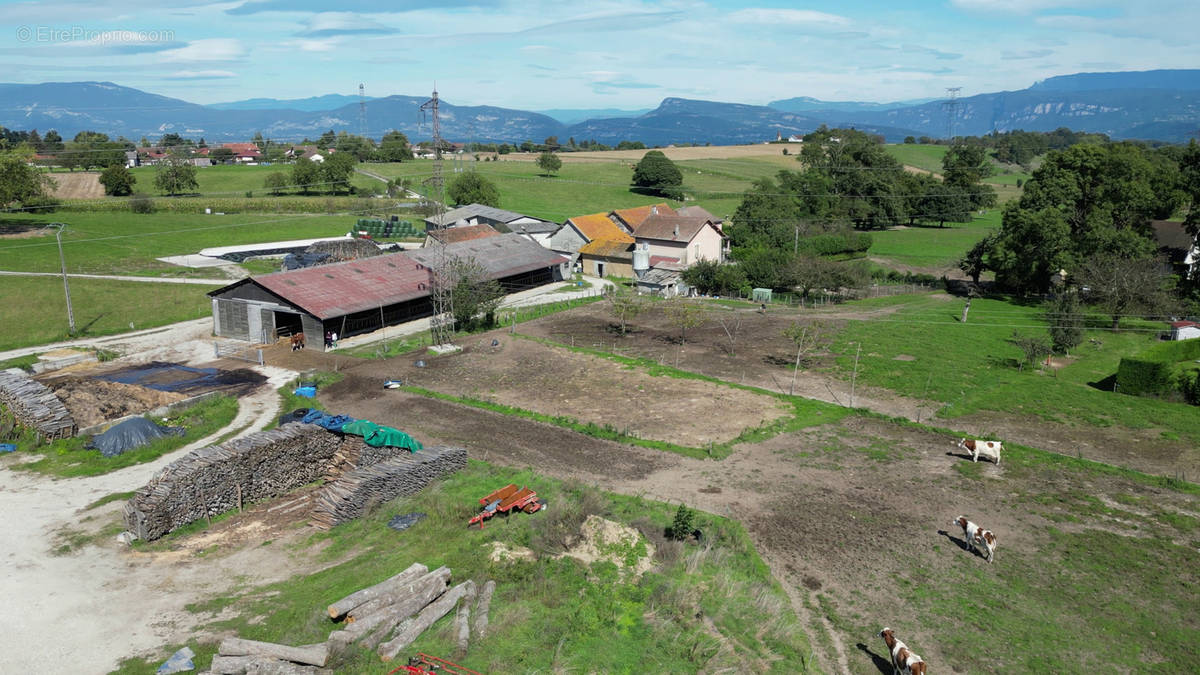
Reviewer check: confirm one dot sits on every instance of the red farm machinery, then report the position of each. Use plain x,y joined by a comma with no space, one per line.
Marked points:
506,500
424,664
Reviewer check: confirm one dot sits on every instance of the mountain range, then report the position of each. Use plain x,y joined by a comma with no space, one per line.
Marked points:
1161,105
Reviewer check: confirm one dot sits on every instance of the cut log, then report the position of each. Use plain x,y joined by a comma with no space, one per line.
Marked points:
313,655
374,628
230,665
462,620
482,609
273,667
350,602
410,630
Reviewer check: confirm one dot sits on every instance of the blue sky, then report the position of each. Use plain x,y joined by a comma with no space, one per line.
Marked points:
537,54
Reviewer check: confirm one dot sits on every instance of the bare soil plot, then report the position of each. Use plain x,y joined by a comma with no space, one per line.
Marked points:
78,186
556,381
95,401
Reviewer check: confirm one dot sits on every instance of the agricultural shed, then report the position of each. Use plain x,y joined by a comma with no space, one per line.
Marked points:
453,235
662,281
361,296
1185,330
478,214
607,258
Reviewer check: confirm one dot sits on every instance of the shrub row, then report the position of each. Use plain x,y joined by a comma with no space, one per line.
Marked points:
835,243
1152,372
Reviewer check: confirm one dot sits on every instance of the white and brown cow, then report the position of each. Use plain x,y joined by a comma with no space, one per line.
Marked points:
904,660
978,539
977,448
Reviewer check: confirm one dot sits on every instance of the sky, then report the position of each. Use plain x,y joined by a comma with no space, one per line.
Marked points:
624,54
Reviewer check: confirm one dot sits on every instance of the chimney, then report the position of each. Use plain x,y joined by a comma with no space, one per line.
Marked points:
654,210
676,230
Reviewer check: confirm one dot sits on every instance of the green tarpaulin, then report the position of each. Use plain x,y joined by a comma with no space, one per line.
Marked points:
376,435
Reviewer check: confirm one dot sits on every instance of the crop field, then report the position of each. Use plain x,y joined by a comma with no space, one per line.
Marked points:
820,502
231,180
34,309
128,243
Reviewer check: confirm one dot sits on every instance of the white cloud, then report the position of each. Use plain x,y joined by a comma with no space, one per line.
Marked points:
328,24
791,17
210,49
1021,6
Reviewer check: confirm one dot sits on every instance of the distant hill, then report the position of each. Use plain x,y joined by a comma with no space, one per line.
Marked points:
310,104
575,115
1158,104
810,104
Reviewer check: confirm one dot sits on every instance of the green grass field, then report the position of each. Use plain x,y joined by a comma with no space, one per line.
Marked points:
128,243
234,181
34,309
927,157
970,367
714,605
933,248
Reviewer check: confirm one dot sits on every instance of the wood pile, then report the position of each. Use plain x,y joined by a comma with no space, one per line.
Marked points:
355,492
215,479
353,453
386,617
34,406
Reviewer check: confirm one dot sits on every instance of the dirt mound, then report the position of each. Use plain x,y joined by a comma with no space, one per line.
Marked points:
94,401
78,186
345,249
603,539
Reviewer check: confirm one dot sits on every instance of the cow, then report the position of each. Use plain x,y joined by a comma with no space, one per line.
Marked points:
904,660
978,539
977,448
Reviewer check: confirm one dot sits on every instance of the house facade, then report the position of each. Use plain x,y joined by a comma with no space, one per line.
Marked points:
581,230
686,240
606,258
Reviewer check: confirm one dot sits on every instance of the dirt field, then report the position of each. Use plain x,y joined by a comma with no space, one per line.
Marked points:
95,401
78,186
840,513
556,381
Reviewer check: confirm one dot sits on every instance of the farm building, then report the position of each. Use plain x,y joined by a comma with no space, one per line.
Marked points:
581,230
686,240
631,219
607,258
1185,330
478,214
361,296
1177,245
453,235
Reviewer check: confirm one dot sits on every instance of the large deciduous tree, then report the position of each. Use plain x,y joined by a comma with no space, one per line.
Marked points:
20,183
336,171
472,188
305,174
657,175
549,162
394,147
117,181
1122,286
176,176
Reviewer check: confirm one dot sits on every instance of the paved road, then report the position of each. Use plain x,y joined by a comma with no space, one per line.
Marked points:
115,277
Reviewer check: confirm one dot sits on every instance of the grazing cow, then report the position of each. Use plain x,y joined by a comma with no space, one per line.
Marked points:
904,660
977,448
978,539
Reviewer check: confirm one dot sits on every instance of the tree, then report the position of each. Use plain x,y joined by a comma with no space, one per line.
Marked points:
117,180
1064,313
275,182
809,338
684,314
863,176
176,176
712,277
472,188
964,168
549,162
394,147
1034,347
20,183
52,142
551,143
624,307
1122,286
975,261
221,155
684,524
305,174
336,170
472,293
327,140
657,175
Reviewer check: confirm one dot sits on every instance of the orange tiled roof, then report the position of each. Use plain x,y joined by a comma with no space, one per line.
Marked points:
608,248
635,216
597,226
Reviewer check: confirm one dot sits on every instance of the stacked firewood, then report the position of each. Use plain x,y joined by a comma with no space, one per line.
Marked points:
386,617
34,406
215,479
353,493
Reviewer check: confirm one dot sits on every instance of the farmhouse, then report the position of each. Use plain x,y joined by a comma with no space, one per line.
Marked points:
244,153
682,239
501,220
361,296
630,219
580,230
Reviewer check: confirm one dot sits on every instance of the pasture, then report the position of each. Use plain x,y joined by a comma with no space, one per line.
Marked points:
934,250
853,516
34,309
231,180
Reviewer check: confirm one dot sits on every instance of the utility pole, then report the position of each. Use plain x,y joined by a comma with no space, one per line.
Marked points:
443,276
362,111
951,106
66,287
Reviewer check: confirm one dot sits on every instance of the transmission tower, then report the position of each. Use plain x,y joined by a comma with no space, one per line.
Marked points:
443,276
362,111
951,106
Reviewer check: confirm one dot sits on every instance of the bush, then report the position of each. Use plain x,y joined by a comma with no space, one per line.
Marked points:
140,203
1189,386
684,524
1152,373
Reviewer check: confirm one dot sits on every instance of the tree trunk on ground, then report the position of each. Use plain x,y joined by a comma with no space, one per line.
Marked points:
482,609
385,619
350,602
410,630
462,620
315,655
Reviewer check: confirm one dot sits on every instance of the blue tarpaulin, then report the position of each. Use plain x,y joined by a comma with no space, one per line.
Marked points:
326,420
130,434
306,392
